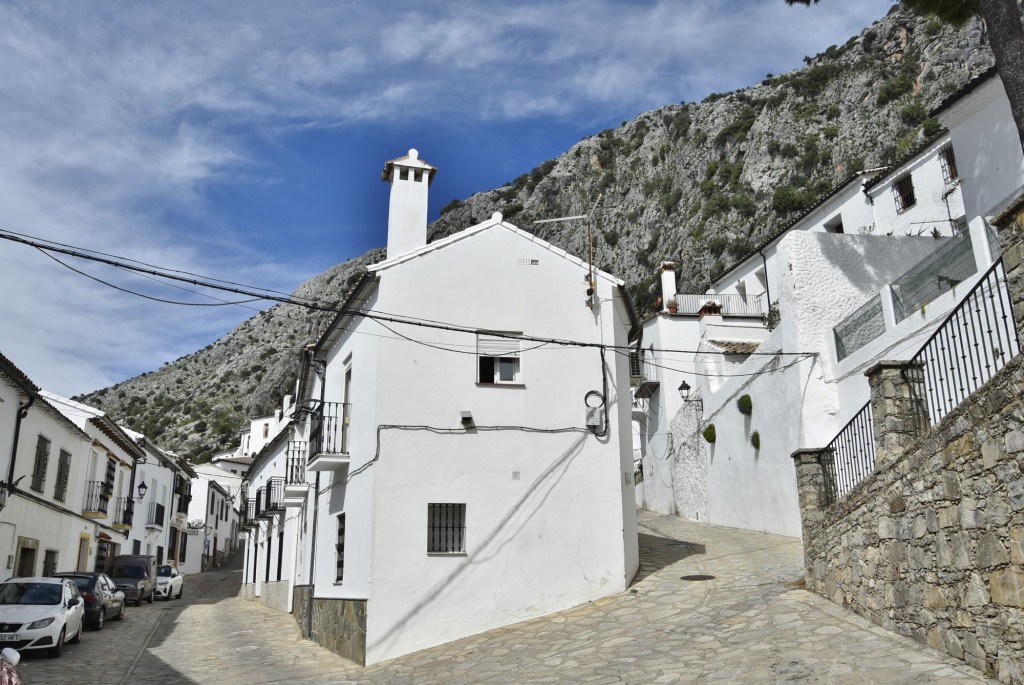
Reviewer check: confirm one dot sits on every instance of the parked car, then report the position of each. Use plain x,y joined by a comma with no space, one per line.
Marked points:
102,598
135,576
40,613
169,582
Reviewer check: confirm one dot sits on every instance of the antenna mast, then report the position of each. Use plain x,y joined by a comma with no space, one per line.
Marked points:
589,216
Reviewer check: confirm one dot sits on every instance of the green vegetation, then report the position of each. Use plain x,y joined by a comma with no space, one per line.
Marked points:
914,112
902,83
788,199
738,128
755,440
709,433
930,127
745,405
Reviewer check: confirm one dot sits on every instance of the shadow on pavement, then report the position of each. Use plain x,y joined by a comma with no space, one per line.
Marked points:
658,552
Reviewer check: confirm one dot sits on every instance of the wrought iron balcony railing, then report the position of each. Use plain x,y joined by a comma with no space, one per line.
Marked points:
329,429
157,515
97,495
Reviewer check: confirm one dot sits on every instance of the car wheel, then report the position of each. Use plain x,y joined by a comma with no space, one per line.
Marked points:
78,636
120,615
57,649
180,590
100,618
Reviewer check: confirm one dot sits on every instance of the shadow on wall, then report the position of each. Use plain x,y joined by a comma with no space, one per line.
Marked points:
661,552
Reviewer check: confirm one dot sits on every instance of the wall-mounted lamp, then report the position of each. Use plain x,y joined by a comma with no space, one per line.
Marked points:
684,392
143,489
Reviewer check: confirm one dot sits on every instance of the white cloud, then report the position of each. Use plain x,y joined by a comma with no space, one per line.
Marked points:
117,118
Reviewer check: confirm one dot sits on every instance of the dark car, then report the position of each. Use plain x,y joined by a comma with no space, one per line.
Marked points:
102,598
135,575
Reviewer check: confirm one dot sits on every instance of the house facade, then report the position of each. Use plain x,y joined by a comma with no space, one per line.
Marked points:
868,273
460,476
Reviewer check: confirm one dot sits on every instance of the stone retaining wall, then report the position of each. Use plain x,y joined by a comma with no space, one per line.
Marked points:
931,545
338,624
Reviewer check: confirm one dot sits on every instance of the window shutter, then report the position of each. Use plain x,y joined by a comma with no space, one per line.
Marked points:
497,346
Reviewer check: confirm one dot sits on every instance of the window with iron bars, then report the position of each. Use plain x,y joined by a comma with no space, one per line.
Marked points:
903,190
39,468
339,549
60,491
948,161
446,528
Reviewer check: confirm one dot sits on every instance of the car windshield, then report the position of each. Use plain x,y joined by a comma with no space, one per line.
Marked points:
128,572
30,593
163,570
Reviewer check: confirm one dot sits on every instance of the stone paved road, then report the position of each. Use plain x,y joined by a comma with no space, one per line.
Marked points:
747,621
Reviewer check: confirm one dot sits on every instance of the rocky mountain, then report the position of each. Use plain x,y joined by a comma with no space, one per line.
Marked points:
700,184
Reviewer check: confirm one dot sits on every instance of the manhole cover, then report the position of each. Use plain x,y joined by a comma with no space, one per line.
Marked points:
697,577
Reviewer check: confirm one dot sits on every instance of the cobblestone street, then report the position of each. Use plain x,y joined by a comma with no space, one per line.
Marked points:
710,605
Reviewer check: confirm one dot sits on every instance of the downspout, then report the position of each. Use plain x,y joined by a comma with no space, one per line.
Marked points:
322,372
18,417
767,292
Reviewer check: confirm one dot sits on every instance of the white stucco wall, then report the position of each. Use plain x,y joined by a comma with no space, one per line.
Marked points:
550,518
987,146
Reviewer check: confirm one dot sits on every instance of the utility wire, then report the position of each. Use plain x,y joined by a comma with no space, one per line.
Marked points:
267,295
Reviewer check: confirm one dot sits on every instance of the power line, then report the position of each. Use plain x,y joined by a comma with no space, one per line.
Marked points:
250,291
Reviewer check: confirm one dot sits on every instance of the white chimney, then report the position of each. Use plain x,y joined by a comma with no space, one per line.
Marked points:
668,284
410,177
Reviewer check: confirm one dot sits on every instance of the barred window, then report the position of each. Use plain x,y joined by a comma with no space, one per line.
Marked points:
446,528
39,468
339,549
903,189
50,562
60,491
948,161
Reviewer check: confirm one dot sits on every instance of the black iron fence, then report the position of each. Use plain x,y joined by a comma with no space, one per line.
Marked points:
976,340
96,496
295,463
850,457
122,511
157,515
273,495
249,514
329,429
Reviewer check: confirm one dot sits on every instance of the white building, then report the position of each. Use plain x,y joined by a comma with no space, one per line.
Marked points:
856,279
462,477
213,526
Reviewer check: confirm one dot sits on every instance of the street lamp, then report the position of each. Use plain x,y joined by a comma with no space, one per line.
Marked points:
143,488
684,393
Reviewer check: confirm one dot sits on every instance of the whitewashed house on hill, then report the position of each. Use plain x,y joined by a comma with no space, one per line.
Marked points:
864,275
466,476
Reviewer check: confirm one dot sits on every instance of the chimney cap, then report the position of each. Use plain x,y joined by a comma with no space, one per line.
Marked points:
668,266
409,161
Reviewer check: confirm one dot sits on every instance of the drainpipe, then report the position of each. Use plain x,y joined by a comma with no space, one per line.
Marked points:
767,292
321,370
18,417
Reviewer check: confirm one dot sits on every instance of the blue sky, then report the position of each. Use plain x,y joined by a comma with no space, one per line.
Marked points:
245,140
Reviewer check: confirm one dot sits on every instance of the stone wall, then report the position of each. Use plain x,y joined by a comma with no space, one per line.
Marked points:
275,595
932,544
338,624
689,463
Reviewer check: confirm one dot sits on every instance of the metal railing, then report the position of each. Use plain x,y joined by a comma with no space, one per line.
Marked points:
96,496
732,305
850,457
258,501
936,274
123,511
976,340
273,495
157,515
859,328
329,429
295,463
249,514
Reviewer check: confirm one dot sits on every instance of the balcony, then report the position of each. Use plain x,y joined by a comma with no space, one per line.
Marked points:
97,498
295,485
249,521
731,305
157,517
328,437
122,513
643,375
272,500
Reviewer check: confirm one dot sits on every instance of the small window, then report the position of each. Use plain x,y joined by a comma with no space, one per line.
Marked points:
948,161
339,550
39,468
498,358
835,225
446,528
903,189
266,430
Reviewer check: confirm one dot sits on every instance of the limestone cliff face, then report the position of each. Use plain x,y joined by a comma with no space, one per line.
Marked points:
685,181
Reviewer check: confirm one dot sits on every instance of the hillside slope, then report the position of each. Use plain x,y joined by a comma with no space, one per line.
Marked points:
681,182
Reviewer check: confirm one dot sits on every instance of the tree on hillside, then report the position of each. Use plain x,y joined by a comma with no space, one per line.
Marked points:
1005,34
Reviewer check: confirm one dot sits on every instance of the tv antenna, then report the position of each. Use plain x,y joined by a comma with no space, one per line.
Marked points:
589,216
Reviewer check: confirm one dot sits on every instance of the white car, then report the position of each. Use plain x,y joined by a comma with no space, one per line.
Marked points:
168,583
40,613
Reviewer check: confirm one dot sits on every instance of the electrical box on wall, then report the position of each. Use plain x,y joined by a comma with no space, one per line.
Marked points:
593,417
